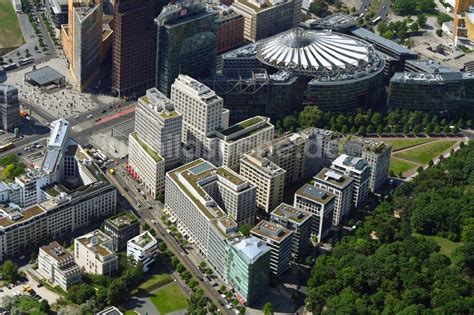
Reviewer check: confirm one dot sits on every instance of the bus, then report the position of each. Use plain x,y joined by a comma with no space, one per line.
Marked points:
376,20
10,66
6,146
25,61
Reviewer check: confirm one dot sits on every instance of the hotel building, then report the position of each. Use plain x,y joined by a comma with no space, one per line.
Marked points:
94,254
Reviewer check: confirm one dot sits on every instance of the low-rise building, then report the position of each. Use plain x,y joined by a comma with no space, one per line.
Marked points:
267,177
297,221
341,187
249,268
121,228
142,249
321,206
280,242
57,266
94,254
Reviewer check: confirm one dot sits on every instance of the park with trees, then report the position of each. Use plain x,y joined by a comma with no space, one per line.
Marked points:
397,261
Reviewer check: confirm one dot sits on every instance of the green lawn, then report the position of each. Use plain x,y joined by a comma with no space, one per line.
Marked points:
398,166
426,153
447,246
170,299
10,32
156,281
403,143
130,312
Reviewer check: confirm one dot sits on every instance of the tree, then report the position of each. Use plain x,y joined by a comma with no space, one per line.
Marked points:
414,27
44,306
404,7
80,293
290,123
197,303
362,130
319,7
267,309
370,129
425,5
442,18
406,129
388,35
379,129
446,129
429,128
245,229
421,20
439,32
456,129
469,123
376,119
9,271
117,291
437,130
311,116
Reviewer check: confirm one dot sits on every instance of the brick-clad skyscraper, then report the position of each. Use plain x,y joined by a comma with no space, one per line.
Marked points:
134,46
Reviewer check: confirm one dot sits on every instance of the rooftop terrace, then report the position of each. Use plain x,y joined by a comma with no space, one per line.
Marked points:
314,193
154,155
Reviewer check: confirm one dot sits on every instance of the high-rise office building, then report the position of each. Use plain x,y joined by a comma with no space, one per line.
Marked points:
9,107
84,40
230,30
186,43
202,111
159,124
134,46
264,18
341,187
377,154
280,242
320,204
297,221
121,228
249,262
267,177
359,170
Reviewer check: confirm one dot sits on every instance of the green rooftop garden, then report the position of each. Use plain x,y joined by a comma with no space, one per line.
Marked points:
170,114
222,171
147,149
242,125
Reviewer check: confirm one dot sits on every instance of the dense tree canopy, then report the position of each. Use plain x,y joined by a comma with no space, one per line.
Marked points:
387,268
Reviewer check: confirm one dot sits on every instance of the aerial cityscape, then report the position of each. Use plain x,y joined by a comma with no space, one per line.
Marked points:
236,157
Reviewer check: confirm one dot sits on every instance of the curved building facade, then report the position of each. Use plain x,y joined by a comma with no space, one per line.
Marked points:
343,72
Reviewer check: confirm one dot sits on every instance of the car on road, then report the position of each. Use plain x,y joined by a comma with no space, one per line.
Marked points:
104,111
89,116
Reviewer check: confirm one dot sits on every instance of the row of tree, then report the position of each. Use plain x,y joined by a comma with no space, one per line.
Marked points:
370,122
388,268
413,7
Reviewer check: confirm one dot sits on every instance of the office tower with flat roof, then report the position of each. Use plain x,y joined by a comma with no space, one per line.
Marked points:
320,204
245,136
82,40
121,228
186,43
142,249
230,29
359,170
159,124
376,153
57,266
9,107
249,268
298,222
134,46
341,187
279,240
94,254
202,111
264,18
267,177
206,202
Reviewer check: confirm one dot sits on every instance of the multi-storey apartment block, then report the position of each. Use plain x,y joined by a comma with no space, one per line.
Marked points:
377,154
359,170
121,228
249,268
248,135
279,240
341,187
142,249
298,222
267,177
206,202
320,204
57,266
94,254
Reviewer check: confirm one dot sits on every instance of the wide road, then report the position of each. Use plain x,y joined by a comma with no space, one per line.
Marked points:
145,215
